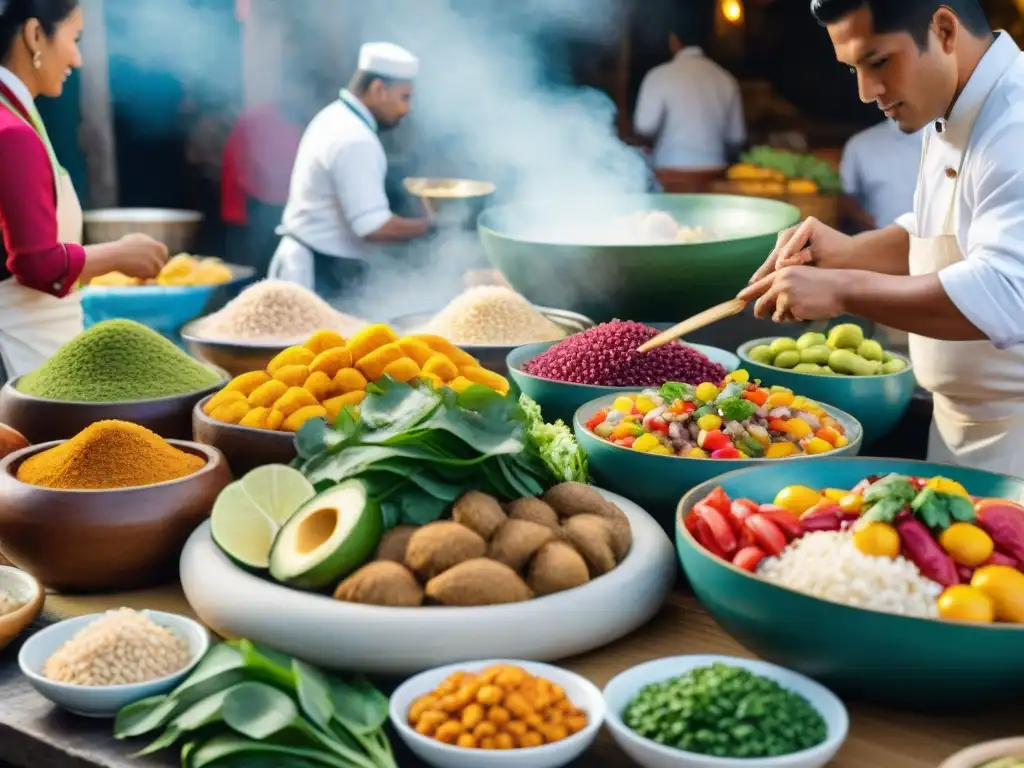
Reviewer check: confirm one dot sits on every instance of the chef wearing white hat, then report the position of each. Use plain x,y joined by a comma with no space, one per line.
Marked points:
337,211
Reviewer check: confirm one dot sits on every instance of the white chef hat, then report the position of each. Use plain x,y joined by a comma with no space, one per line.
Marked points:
388,60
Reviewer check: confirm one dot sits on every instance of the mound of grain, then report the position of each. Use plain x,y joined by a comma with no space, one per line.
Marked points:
493,314
276,310
827,565
122,647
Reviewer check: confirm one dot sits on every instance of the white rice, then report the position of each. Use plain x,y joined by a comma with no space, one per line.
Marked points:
827,565
493,314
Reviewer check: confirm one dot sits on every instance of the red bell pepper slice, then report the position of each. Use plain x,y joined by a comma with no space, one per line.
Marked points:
719,525
657,425
596,420
715,440
718,499
749,558
741,509
706,538
766,533
786,520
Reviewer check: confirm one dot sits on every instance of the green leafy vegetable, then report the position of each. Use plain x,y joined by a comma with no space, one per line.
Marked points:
895,486
736,409
556,444
677,390
794,166
730,391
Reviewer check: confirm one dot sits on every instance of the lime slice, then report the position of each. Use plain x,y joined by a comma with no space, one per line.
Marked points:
248,513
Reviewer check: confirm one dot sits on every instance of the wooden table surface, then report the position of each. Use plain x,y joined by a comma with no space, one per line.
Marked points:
33,734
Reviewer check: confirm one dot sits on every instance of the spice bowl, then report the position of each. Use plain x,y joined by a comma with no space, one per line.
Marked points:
244,448
580,691
96,540
42,421
650,754
21,588
105,701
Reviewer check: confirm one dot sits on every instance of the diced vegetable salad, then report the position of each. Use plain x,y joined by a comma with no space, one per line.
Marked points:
971,548
737,419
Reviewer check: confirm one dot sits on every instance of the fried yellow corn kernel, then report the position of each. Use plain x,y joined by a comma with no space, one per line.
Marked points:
472,716
553,733
466,741
504,741
331,361
370,338
247,383
290,356
416,349
294,399
432,379
323,340
499,715
460,383
255,418
351,399
484,730
404,369
319,385
441,366
267,394
231,413
576,723
292,375
224,397
294,422
275,419
372,365
349,380
446,348
516,728
421,705
530,739
489,379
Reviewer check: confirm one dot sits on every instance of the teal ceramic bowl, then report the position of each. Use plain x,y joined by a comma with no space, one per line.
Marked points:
559,400
661,481
553,253
878,402
880,657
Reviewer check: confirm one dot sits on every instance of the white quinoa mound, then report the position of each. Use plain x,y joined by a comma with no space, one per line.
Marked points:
276,310
123,647
493,314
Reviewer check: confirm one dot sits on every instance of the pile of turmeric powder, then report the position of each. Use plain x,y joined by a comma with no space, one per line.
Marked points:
107,455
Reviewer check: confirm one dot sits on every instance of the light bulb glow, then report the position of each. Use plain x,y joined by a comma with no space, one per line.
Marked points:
732,11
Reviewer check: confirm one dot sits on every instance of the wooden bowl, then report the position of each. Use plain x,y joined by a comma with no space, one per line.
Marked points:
22,587
107,540
44,421
11,440
235,357
244,448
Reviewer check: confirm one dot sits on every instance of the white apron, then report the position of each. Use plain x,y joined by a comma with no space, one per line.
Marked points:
33,324
973,425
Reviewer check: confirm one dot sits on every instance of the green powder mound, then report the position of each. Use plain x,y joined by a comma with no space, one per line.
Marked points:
114,361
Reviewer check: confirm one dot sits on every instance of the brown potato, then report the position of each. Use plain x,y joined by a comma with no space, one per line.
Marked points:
394,543
479,512
517,541
480,581
557,567
572,499
535,511
381,583
591,537
436,547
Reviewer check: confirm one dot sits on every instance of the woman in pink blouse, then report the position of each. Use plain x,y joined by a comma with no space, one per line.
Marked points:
41,259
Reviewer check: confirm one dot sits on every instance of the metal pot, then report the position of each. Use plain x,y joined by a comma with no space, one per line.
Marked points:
451,203
177,229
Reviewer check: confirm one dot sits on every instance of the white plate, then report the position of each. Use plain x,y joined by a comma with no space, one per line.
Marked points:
622,688
579,691
403,641
104,701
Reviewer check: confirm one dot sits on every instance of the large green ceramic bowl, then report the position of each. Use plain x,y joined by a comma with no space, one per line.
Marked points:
662,480
560,400
919,663
547,252
878,402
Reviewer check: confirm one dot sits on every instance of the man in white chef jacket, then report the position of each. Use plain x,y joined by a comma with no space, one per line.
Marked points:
337,211
952,272
879,170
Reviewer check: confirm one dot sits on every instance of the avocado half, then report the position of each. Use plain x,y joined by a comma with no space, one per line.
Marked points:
327,538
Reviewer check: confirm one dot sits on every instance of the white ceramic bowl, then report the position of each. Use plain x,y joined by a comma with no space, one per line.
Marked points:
390,641
622,688
105,701
980,754
579,691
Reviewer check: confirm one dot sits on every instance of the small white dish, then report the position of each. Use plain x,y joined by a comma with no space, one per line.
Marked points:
580,691
104,701
648,754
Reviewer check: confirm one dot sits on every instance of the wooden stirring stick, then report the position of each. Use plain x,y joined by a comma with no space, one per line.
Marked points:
707,317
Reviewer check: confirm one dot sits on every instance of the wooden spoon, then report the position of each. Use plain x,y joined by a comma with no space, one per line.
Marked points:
707,317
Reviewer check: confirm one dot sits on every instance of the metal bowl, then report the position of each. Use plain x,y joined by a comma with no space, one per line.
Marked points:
451,203
177,229
656,282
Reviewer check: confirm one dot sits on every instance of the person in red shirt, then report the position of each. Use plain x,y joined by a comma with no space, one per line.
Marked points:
41,259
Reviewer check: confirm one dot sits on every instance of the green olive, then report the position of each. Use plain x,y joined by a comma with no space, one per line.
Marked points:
871,350
818,355
762,353
808,368
846,336
849,362
894,366
789,358
782,345
887,356
811,339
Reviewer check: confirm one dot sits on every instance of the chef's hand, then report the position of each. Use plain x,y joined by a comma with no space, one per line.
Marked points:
807,243
797,293
141,256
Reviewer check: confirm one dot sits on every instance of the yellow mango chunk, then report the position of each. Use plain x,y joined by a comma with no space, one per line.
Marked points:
231,413
294,422
489,379
248,382
256,418
224,397
293,399
290,356
446,348
349,380
267,394
331,361
370,338
439,365
275,419
404,369
319,385
372,365
292,375
323,340
419,351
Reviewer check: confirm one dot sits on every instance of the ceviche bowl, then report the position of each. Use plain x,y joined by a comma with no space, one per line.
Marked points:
921,663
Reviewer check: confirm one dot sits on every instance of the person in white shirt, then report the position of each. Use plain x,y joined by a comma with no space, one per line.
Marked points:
691,108
879,171
337,210
951,273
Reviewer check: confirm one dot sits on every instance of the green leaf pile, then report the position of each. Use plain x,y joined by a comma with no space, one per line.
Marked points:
418,449
795,166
